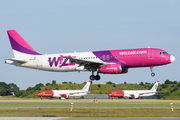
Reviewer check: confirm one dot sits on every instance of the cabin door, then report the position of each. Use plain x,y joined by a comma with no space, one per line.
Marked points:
39,62
150,54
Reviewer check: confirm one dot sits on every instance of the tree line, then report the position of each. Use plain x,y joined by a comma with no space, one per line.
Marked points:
8,89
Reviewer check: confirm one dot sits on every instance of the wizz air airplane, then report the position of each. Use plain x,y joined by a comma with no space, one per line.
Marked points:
135,93
106,62
65,94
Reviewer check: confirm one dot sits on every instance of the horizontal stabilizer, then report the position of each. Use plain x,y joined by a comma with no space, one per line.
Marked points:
16,60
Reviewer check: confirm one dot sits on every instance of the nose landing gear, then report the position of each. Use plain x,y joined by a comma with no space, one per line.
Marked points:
152,74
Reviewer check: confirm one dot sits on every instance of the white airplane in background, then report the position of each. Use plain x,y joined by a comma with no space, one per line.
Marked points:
135,93
106,62
65,94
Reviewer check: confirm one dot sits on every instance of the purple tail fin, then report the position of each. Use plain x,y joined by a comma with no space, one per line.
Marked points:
19,44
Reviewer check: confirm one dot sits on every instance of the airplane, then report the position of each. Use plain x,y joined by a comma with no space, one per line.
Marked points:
106,62
65,94
135,93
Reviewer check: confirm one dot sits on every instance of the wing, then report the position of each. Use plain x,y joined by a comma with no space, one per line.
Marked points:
62,94
78,92
88,64
152,92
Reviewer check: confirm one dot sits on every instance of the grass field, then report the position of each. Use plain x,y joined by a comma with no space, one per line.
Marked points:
85,108
90,112
90,100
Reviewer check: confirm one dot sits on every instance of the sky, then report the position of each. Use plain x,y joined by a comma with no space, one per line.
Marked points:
65,26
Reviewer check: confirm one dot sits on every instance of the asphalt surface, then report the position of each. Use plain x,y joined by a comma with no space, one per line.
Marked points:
89,118
88,103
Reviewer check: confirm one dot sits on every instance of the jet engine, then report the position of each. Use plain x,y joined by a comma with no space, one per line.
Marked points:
112,69
66,96
133,96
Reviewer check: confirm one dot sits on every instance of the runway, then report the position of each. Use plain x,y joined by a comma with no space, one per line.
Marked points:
89,118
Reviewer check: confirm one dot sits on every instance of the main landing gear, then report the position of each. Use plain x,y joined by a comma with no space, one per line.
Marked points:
93,77
152,74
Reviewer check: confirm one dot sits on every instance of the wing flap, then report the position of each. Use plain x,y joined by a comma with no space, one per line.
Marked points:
86,63
80,61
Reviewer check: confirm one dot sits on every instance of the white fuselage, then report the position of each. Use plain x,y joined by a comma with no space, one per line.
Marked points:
71,93
146,93
55,62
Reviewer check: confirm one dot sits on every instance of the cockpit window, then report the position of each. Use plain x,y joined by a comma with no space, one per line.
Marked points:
162,53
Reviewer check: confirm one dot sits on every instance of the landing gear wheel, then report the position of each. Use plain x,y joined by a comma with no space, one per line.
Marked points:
97,77
92,77
152,74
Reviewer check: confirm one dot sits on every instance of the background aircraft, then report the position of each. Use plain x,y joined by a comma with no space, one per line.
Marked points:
65,94
107,62
134,93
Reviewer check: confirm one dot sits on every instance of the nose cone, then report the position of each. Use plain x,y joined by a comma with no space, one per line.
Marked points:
39,94
109,94
172,58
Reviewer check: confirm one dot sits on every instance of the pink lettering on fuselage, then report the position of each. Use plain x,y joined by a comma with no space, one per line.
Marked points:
133,52
61,60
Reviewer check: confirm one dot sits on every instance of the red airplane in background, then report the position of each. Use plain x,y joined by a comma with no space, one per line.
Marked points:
65,94
134,93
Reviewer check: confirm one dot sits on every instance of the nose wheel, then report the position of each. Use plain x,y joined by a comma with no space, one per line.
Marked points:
152,74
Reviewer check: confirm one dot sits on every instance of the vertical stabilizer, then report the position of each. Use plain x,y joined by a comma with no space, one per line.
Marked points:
154,88
86,87
20,47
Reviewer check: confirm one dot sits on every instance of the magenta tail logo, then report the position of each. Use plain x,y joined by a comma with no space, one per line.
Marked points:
61,60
